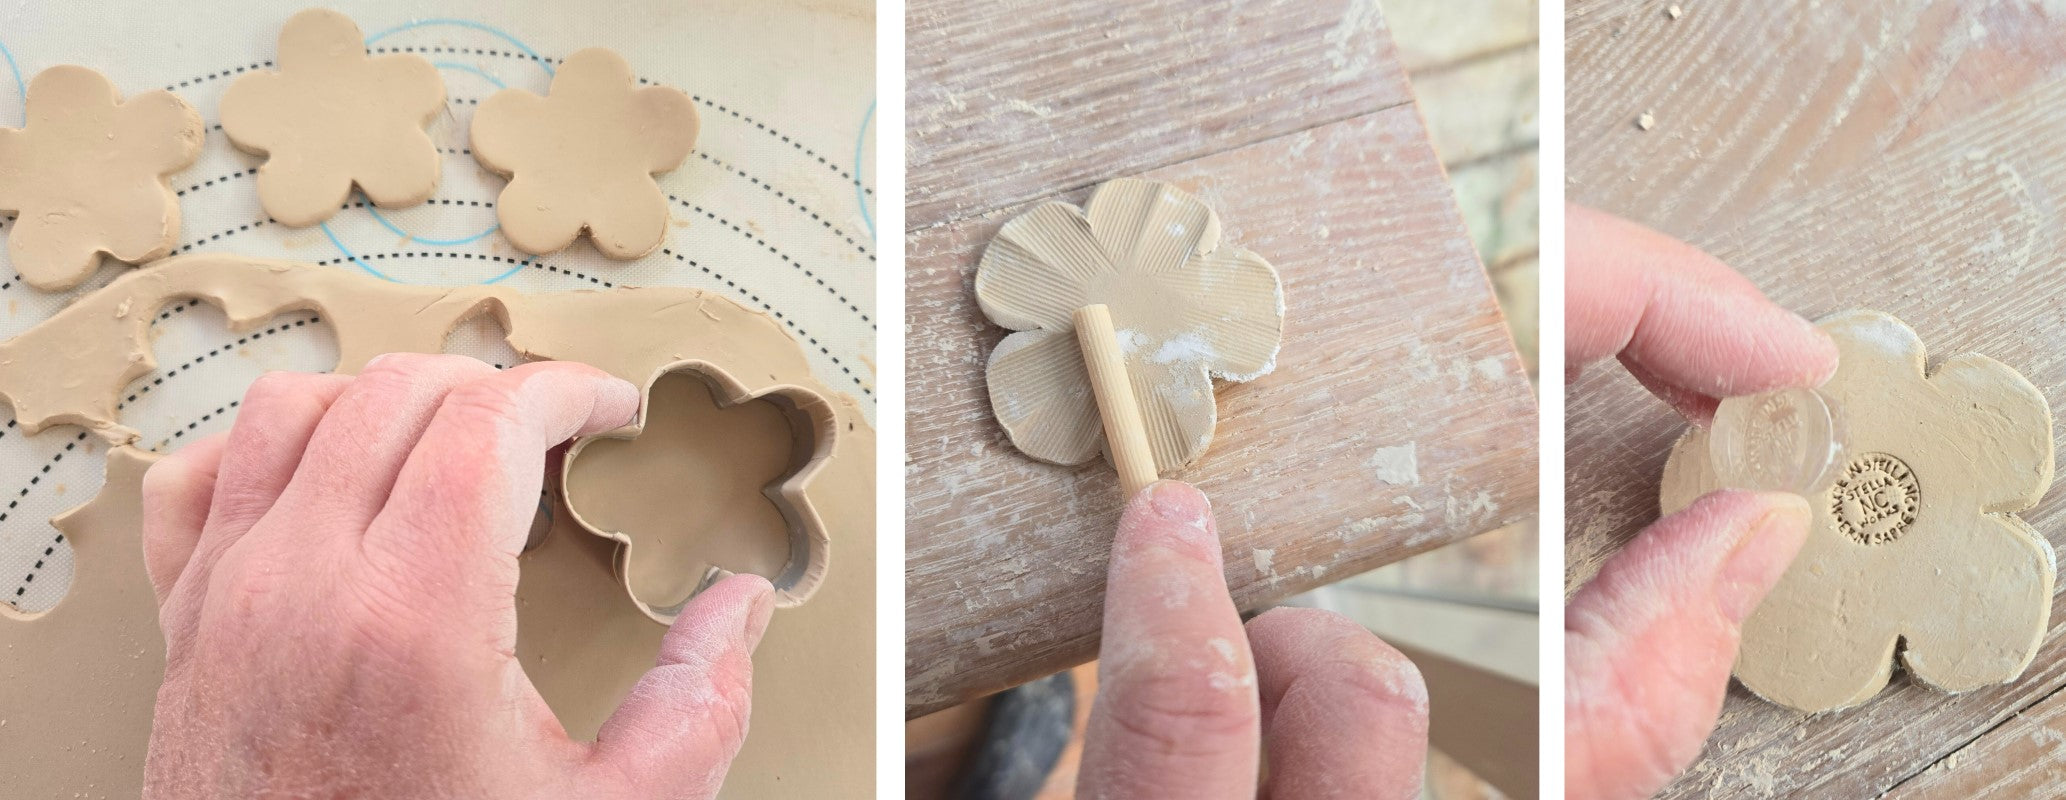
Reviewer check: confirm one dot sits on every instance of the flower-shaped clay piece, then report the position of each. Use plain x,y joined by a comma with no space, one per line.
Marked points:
86,176
1186,311
1915,540
584,155
331,117
714,483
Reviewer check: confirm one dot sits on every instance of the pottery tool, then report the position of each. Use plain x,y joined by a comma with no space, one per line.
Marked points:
1125,434
1786,440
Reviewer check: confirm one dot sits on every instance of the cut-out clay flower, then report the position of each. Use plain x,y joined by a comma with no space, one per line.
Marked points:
1916,541
1186,310
584,155
332,117
87,176
714,482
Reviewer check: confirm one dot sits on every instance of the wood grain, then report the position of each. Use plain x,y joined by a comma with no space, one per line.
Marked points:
1016,100
2018,759
1392,340
1900,156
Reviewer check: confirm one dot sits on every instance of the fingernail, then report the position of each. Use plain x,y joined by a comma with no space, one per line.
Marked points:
1762,555
760,609
1175,512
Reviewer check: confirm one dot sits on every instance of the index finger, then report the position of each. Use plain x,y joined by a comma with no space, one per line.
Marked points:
1687,325
470,485
1176,713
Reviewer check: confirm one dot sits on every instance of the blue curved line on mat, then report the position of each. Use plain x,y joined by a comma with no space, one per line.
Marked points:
860,140
339,244
20,89
473,69
467,23
397,230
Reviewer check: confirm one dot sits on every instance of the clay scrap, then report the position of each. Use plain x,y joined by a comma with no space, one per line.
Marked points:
333,117
578,639
102,645
1186,309
86,176
1917,540
583,156
101,342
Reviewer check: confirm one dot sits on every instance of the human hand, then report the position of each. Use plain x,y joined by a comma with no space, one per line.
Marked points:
336,580
1183,709
1649,643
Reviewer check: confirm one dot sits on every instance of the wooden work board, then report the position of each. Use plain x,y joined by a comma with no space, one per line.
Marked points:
1294,121
1899,155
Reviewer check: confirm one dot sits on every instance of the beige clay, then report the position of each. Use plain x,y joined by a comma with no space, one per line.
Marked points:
87,176
733,464
583,156
1917,539
332,117
581,640
1187,310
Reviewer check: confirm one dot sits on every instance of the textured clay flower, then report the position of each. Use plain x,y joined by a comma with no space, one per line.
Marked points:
331,117
584,155
86,176
1916,541
1186,309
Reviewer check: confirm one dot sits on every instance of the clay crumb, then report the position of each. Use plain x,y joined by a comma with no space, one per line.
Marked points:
1646,121
1675,12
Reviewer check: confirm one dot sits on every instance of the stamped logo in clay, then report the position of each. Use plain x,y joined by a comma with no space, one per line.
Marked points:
1875,498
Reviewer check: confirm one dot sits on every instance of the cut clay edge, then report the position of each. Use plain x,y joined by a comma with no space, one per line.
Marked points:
801,577
64,522
1895,651
83,405
509,173
1209,243
437,158
169,235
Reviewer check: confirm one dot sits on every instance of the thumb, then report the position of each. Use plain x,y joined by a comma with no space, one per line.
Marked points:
678,730
1649,643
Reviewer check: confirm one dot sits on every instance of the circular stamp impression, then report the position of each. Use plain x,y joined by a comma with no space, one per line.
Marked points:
1874,499
1785,440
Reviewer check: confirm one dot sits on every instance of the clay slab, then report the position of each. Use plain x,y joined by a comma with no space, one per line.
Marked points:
333,117
1917,539
87,176
581,639
583,156
1186,308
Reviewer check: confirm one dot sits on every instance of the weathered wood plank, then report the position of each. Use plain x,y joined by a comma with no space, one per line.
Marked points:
1925,202
2019,759
1393,340
1012,101
1754,99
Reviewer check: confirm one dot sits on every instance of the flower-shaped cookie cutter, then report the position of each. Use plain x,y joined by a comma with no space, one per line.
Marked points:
86,175
1184,309
1915,539
814,429
333,117
583,156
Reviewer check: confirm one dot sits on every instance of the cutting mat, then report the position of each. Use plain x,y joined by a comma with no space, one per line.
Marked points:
1399,417
774,210
1903,156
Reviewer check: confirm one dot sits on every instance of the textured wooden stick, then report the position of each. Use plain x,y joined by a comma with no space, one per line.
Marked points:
1124,431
